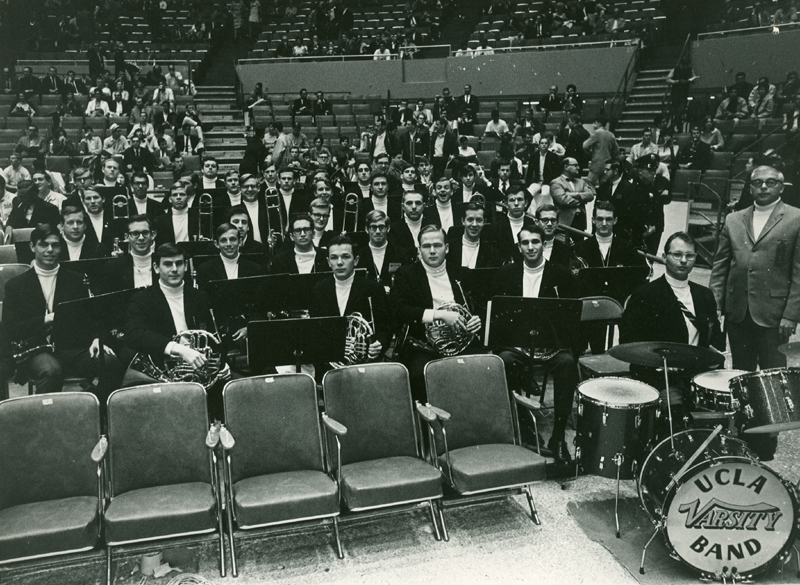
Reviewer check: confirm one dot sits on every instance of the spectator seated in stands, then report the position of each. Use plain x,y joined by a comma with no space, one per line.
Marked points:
118,106
32,144
697,155
155,77
786,95
551,102
382,53
297,138
322,107
755,93
90,145
143,125
119,86
60,145
141,93
115,143
344,149
174,80
733,107
28,84
300,48
51,84
615,23
496,127
188,143
573,103
711,135
283,49
743,87
164,95
71,108
97,106
302,106
21,107
15,172
483,47
764,106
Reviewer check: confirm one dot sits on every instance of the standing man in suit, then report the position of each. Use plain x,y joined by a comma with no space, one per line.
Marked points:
534,277
444,147
630,200
467,107
570,194
572,135
601,146
543,168
383,141
419,290
383,257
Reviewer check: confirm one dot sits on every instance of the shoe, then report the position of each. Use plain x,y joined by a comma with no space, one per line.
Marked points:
560,451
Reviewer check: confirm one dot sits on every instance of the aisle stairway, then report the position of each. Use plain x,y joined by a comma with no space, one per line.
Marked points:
223,125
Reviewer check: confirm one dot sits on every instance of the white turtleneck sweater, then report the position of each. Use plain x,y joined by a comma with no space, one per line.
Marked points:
445,215
141,205
469,252
231,267
47,280
305,261
343,292
378,255
761,215
381,204
235,198
74,248
414,227
441,290
604,244
97,224
142,270
532,280
548,248
180,224
516,225
174,296
252,211
684,294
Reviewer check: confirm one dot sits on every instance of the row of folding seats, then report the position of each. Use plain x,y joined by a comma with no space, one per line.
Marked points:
282,462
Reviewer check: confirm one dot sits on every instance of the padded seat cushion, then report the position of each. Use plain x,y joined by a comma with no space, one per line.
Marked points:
46,527
285,496
484,467
161,511
392,480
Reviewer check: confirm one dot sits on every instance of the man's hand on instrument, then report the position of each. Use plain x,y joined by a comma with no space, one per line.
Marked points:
94,348
240,334
452,318
374,350
787,328
651,229
474,325
191,356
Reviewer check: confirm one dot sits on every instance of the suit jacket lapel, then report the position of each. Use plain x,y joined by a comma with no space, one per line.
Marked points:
748,223
774,218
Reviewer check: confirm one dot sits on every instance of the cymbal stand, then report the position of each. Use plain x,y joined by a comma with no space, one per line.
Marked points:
669,404
659,528
618,458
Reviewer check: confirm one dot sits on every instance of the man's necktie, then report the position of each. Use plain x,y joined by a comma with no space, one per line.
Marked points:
689,315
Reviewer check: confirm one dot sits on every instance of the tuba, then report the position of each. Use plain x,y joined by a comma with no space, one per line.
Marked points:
177,370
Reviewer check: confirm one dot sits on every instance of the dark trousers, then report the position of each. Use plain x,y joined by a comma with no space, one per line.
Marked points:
564,372
438,164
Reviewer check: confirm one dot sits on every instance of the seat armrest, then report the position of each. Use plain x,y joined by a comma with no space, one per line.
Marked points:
212,437
226,438
426,413
442,415
99,451
526,402
334,426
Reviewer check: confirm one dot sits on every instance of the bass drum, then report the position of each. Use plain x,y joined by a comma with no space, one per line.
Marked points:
727,514
616,421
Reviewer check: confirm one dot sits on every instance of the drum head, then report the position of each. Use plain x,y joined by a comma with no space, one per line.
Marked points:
729,514
618,391
717,379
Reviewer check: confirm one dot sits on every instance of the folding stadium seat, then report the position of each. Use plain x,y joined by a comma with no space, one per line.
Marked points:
770,125
275,473
351,132
747,126
325,120
682,140
777,141
97,124
682,182
10,136
721,160
361,109
485,158
489,143
739,142
285,120
362,121
330,133
16,123
341,110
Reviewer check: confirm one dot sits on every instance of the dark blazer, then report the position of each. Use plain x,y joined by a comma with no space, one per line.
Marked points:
422,145
118,274
149,326
572,140
401,236
557,282
90,249
153,210
562,254
302,107
215,270
471,108
390,142
632,207
552,169
301,202
285,263
505,239
653,313
145,160
621,253
165,230
431,214
43,212
250,246
111,230
449,147
325,304
51,85
697,156
488,255
24,306
394,256
394,209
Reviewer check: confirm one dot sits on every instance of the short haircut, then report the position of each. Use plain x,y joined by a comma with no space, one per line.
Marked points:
516,188
382,156
71,210
615,164
320,203
503,162
43,231
602,120
231,173
376,175
343,240
300,217
429,229
224,227
111,159
285,170
209,158
543,208
177,186
247,177
85,191
168,250
375,216
473,206
140,218
604,206
412,192
683,237
423,159
235,210
528,225
139,175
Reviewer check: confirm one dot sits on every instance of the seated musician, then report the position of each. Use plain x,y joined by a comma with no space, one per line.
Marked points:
507,226
292,199
73,228
474,182
406,231
384,257
534,277
256,210
346,293
605,249
442,213
418,292
238,216
140,203
380,199
100,227
232,196
555,250
28,210
321,214
229,264
134,269
302,257
672,308
28,312
179,224
470,251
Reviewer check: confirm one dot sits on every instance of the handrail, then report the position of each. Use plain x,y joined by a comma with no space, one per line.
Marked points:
749,30
780,128
582,44
625,82
258,60
668,91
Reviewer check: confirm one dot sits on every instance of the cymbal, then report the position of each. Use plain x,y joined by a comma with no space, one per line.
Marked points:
679,355
790,349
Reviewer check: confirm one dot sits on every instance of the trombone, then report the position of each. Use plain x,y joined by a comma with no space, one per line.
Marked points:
119,206
272,200
350,209
205,217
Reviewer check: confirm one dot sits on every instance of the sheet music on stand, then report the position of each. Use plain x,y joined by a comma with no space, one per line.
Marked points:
617,282
532,323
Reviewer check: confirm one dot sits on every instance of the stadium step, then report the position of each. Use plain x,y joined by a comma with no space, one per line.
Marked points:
223,124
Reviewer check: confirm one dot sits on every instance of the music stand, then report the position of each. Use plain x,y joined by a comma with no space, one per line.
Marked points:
479,282
534,323
617,282
298,341
81,316
91,268
24,253
198,248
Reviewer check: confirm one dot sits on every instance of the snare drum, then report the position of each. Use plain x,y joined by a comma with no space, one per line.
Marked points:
711,390
727,514
616,422
770,399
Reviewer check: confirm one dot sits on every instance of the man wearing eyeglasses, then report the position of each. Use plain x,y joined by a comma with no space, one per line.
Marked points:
606,249
134,269
383,257
302,257
570,194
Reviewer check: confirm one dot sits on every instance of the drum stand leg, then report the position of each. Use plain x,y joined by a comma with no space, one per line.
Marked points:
669,405
644,551
797,560
618,461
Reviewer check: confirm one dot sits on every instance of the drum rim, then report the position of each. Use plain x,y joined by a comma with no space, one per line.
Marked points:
794,531
696,383
764,373
619,405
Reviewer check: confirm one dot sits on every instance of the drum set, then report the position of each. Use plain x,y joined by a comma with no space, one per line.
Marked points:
721,511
